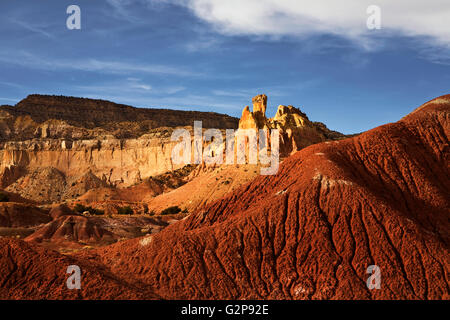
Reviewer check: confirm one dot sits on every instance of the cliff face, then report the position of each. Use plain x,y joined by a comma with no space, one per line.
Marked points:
117,143
116,161
296,130
57,140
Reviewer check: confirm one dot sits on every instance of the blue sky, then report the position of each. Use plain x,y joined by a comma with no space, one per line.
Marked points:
210,55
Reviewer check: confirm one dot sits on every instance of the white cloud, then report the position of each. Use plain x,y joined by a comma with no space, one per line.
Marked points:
29,60
185,102
347,18
234,93
132,86
173,90
9,99
30,27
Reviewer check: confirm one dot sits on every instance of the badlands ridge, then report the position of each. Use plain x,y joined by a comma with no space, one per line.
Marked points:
336,206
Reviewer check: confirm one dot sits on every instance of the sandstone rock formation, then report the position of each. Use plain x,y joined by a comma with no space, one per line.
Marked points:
312,230
296,130
120,144
309,232
9,174
117,162
77,145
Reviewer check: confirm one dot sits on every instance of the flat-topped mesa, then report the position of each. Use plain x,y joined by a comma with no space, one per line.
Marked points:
43,116
296,130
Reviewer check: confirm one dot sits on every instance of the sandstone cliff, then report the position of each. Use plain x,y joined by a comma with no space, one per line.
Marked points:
116,161
60,140
296,130
119,144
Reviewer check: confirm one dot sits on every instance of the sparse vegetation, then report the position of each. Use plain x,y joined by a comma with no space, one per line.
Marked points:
171,210
80,209
125,210
4,197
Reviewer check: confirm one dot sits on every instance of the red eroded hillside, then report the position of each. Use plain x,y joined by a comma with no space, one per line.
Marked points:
311,231
31,272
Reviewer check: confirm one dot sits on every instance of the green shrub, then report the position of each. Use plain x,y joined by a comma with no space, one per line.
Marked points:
4,197
81,209
96,212
125,210
171,210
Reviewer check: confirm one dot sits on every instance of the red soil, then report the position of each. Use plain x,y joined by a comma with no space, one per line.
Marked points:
60,210
14,197
13,215
309,232
71,228
31,272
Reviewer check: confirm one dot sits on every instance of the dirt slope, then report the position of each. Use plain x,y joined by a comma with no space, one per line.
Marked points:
311,231
13,215
71,228
57,186
30,272
206,185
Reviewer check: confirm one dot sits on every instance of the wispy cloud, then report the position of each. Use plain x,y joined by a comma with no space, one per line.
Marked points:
9,99
120,10
126,9
235,93
438,54
130,86
274,91
11,84
29,60
134,91
184,102
202,44
33,28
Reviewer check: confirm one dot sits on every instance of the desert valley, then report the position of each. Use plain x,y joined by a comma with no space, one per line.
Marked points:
92,183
